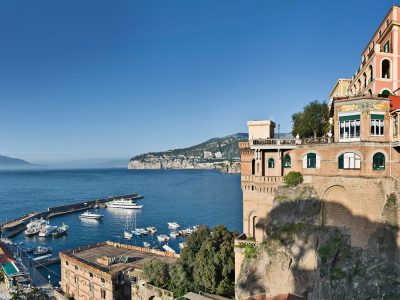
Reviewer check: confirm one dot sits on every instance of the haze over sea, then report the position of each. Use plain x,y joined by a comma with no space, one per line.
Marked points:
188,197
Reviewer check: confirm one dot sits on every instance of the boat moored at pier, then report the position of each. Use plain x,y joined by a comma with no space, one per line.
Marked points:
89,215
123,203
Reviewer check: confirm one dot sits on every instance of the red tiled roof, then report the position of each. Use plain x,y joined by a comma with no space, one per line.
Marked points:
287,296
394,102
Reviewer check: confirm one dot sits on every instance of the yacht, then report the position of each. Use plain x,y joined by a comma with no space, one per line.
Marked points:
174,235
34,226
142,231
47,230
62,230
89,215
31,231
146,244
173,225
128,235
124,203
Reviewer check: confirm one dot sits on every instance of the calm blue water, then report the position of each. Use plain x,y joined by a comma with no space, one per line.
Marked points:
188,197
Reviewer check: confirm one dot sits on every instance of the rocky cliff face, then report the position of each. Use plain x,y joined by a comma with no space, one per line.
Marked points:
218,153
301,256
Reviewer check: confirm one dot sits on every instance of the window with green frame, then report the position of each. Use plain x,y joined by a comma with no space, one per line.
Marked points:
311,160
271,163
287,161
378,161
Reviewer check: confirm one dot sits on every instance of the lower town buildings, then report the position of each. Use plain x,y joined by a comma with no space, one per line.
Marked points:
107,271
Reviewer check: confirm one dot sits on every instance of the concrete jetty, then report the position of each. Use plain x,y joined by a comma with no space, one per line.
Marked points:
15,226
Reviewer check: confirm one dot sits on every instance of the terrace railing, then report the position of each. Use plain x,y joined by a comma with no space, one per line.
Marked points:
290,142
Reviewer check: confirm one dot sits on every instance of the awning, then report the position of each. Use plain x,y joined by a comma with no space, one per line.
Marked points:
349,118
10,269
377,117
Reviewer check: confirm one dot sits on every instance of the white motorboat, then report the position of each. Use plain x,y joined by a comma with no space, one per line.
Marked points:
40,250
151,230
174,234
146,244
163,238
89,215
142,231
31,231
47,230
173,225
124,203
128,235
36,223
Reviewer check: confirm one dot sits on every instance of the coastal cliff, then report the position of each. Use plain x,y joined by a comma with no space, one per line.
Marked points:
217,153
300,256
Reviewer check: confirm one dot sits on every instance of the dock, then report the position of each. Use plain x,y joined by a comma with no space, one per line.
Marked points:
13,227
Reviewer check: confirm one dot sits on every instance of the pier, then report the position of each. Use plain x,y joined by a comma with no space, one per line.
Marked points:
13,227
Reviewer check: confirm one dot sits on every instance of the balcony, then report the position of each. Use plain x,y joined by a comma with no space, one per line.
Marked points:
262,179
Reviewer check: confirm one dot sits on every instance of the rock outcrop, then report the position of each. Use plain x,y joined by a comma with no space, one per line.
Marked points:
301,256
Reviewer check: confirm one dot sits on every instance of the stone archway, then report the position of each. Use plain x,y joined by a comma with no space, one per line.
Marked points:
335,210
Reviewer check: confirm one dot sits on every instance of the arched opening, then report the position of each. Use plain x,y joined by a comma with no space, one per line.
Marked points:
378,161
350,161
386,92
334,210
370,92
359,86
287,161
271,163
311,161
365,79
253,167
386,68
371,74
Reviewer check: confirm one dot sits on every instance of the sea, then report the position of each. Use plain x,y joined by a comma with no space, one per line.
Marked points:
189,197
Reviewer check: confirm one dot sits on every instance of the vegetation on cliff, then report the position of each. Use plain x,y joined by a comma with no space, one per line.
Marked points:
206,264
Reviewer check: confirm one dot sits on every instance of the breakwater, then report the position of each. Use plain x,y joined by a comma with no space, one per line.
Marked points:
17,225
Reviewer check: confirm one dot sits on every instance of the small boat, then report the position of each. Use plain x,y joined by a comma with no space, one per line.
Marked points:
168,249
187,231
142,231
135,232
146,244
128,235
173,225
42,258
89,215
182,245
31,231
62,230
47,230
163,238
174,234
29,250
124,203
151,230
40,250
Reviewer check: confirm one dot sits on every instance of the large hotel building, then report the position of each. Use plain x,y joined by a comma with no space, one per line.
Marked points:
357,164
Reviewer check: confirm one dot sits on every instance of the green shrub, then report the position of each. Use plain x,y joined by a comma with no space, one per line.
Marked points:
330,248
250,251
293,178
391,200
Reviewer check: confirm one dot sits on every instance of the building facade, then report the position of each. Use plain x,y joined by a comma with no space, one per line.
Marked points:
106,271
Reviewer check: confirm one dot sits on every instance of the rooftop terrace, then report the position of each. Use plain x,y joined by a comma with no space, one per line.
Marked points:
138,256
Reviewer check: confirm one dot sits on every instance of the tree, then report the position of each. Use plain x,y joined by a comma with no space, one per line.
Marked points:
312,121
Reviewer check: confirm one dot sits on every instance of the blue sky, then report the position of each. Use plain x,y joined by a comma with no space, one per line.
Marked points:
93,79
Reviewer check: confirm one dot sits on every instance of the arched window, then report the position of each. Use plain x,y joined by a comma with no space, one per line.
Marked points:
271,163
385,92
359,86
370,92
378,161
371,73
287,161
253,167
311,160
365,79
386,68
349,160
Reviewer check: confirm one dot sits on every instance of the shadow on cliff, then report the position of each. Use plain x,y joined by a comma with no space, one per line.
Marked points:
320,250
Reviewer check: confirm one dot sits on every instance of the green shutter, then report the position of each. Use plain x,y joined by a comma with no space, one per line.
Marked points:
341,162
377,117
349,118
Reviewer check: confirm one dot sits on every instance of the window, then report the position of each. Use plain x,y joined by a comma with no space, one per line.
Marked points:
76,267
378,161
66,263
386,69
91,287
349,127
349,161
377,124
103,280
253,167
287,161
386,47
365,79
311,160
271,163
91,275
371,73
380,33
76,279
385,93
103,294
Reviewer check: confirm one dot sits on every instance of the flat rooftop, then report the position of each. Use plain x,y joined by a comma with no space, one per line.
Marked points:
137,256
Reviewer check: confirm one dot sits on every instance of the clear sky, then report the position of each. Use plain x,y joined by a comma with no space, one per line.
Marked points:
92,79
